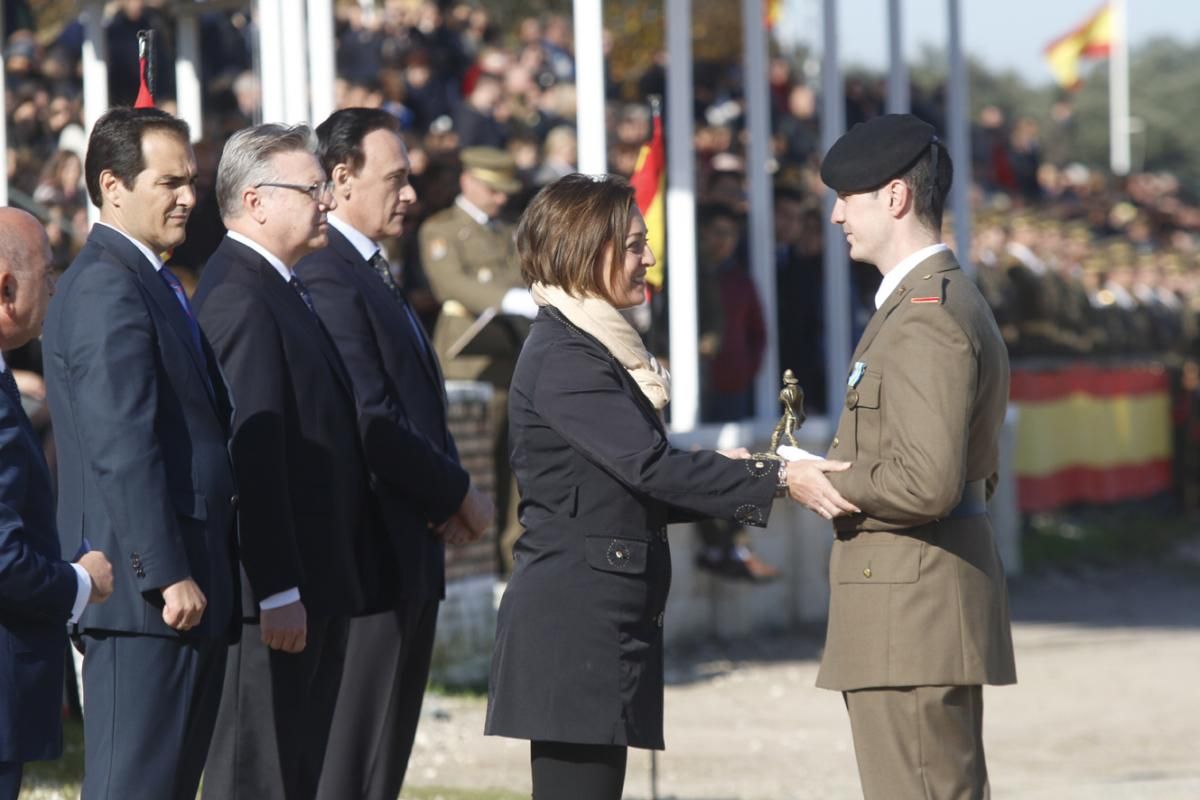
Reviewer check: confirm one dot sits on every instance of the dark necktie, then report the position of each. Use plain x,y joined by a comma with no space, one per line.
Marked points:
180,295
302,290
9,384
380,265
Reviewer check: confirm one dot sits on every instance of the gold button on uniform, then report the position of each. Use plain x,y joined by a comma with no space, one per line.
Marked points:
835,441
852,398
866,572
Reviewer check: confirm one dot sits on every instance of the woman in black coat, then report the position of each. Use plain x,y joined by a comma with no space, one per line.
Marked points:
578,663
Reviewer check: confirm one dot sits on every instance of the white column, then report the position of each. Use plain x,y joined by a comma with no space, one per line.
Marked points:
294,32
273,107
1118,91
95,75
837,257
897,80
322,68
589,86
958,112
681,220
187,74
761,222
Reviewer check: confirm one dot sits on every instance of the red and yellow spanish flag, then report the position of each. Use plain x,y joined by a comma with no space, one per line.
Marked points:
774,10
1092,39
1090,434
649,181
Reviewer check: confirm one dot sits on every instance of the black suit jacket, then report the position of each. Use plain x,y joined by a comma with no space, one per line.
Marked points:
401,408
141,427
579,638
305,518
37,590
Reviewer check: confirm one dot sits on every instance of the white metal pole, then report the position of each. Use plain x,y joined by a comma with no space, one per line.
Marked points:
321,64
589,86
273,106
1118,91
761,221
187,74
294,32
837,256
684,327
958,112
898,100
95,75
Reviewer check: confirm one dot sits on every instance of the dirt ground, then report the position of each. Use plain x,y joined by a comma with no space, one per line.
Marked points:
1108,706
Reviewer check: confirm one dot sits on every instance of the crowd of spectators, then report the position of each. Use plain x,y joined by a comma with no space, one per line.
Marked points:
1076,263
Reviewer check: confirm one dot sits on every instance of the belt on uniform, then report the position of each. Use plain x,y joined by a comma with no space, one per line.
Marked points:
973,502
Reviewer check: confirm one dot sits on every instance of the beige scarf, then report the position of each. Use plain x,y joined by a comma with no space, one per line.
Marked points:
597,317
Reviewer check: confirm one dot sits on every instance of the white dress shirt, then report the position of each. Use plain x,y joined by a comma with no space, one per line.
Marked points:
83,581
152,256
892,279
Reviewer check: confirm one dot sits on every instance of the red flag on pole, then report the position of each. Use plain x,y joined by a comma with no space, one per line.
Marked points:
145,95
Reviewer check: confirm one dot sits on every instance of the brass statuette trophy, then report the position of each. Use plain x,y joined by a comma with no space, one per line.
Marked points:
792,397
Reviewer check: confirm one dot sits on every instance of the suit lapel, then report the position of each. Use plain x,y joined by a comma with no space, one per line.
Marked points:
160,294
939,262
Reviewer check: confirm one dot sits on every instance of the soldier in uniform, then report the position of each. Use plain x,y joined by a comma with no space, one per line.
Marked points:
918,615
470,259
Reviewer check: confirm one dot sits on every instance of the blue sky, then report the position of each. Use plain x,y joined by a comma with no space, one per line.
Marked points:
1005,34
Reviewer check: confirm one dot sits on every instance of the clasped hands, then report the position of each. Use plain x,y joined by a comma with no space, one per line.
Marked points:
808,484
470,521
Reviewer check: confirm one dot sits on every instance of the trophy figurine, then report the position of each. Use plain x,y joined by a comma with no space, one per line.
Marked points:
792,397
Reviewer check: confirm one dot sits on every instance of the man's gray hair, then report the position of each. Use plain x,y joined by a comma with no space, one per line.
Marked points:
246,160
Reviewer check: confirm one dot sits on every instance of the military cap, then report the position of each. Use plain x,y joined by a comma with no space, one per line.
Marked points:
492,166
872,153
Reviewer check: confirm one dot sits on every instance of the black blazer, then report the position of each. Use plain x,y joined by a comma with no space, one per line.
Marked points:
304,517
141,428
578,654
37,591
401,401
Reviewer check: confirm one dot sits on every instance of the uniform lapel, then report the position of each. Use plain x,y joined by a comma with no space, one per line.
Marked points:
939,262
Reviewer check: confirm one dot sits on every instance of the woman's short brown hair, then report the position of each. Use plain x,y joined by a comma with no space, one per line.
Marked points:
563,233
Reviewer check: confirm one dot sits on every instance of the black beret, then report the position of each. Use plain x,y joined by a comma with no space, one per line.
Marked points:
872,153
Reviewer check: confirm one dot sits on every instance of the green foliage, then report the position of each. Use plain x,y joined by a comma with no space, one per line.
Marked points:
1103,535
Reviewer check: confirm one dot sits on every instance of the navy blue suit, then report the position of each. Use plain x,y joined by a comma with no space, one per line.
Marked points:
37,590
418,482
141,421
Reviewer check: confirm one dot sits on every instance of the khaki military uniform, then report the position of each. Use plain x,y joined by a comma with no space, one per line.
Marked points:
470,268
918,600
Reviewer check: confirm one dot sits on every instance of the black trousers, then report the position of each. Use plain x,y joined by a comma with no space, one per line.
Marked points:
275,713
567,771
150,706
10,779
379,703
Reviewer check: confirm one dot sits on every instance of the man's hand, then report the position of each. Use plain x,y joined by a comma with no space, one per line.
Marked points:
184,605
809,487
454,531
476,512
285,628
737,452
99,570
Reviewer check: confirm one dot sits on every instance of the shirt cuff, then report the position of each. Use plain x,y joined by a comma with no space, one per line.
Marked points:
83,592
519,302
280,599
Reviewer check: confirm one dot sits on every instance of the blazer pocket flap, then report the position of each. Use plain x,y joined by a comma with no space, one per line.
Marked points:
188,504
866,393
894,563
616,554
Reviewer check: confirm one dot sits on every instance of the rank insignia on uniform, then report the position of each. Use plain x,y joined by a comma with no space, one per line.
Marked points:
926,300
484,275
437,249
856,374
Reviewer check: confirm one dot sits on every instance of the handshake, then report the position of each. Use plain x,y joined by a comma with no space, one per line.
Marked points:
807,481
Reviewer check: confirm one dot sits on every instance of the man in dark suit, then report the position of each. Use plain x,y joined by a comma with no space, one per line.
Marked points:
39,592
306,528
422,491
141,423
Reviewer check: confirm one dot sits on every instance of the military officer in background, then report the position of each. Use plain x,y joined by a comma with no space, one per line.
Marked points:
918,615
470,258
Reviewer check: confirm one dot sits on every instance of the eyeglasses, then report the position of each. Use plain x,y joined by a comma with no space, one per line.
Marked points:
316,191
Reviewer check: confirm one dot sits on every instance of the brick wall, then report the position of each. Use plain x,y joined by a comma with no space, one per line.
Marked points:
473,434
